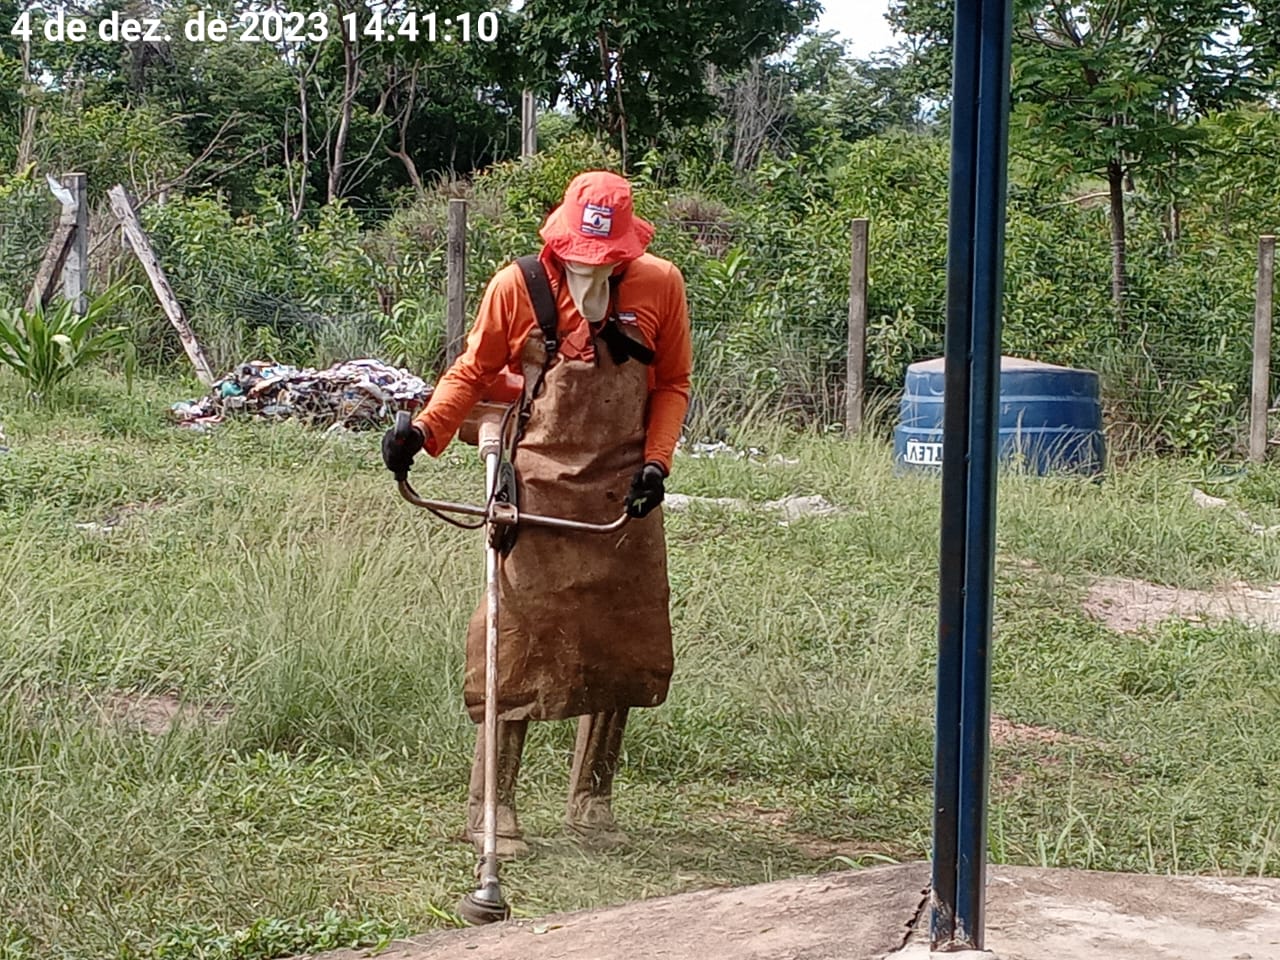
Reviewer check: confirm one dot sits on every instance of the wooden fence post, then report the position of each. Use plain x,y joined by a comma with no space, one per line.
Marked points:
66,257
75,272
137,237
1260,398
855,364
456,283
51,264
528,125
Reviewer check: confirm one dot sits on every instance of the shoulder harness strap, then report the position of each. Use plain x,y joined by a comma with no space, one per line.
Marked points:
544,309
622,347
544,304
543,301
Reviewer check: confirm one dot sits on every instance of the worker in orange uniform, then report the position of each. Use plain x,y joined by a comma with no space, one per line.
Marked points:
598,330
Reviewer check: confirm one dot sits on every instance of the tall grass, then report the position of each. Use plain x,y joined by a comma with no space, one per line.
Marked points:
270,580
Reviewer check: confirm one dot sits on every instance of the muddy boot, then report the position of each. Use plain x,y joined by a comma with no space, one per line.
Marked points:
510,746
595,760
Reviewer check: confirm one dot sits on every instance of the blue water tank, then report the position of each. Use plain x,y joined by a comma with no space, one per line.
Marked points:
1050,418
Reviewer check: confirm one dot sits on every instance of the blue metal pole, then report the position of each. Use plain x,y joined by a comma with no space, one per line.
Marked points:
971,421
988,289
946,777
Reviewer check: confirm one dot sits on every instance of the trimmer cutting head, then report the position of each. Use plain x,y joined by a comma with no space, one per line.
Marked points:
484,905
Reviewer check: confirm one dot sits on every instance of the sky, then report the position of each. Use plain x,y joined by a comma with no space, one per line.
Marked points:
860,23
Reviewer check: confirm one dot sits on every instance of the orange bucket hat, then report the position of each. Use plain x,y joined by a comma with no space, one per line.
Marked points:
596,222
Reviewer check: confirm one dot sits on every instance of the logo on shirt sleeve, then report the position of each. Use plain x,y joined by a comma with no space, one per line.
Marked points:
597,220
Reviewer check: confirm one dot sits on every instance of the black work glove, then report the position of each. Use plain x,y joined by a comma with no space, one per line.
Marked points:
647,490
398,451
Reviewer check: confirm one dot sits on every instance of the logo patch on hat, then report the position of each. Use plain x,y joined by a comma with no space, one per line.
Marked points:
597,220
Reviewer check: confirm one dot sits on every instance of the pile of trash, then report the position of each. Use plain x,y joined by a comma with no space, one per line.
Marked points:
354,394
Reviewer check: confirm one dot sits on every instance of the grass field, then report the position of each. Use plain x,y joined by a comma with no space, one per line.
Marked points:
310,791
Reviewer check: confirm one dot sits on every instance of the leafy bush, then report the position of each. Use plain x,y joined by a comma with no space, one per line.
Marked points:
765,258
27,210
139,146
413,336
1207,413
47,349
308,292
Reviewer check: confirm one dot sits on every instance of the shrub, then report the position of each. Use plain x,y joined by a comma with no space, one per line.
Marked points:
27,210
47,349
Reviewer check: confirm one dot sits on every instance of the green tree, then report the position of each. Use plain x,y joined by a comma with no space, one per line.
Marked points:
300,123
1234,191
1107,88
816,97
440,107
11,83
134,146
854,98
638,69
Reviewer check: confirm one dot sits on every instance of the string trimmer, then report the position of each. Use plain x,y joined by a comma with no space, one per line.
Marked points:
499,516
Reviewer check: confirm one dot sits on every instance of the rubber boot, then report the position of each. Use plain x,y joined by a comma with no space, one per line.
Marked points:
595,761
511,843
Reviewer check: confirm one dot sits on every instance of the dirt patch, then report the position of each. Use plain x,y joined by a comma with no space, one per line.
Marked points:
821,848
1012,772
120,516
1126,605
811,845
156,714
750,813
152,713
1009,732
790,509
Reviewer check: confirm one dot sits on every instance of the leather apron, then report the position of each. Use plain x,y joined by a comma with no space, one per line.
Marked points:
584,624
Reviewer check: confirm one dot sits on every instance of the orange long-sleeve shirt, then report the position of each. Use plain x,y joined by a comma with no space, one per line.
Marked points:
652,294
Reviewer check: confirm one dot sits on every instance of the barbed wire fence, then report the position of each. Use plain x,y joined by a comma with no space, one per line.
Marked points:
1174,362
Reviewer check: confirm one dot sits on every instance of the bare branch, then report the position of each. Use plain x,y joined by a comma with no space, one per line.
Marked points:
201,158
403,117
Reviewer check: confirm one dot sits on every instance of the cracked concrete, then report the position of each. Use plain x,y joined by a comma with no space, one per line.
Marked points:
875,914
851,915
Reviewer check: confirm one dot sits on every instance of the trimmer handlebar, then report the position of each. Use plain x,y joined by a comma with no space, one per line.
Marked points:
503,514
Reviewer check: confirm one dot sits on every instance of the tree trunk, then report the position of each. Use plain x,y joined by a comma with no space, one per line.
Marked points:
298,196
410,169
350,82
404,116
622,114
617,120
27,135
27,139
1115,178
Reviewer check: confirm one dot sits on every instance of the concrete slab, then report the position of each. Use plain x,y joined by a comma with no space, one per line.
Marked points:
852,915
879,913
1037,914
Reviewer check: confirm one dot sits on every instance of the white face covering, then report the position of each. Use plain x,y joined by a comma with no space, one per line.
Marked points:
589,287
